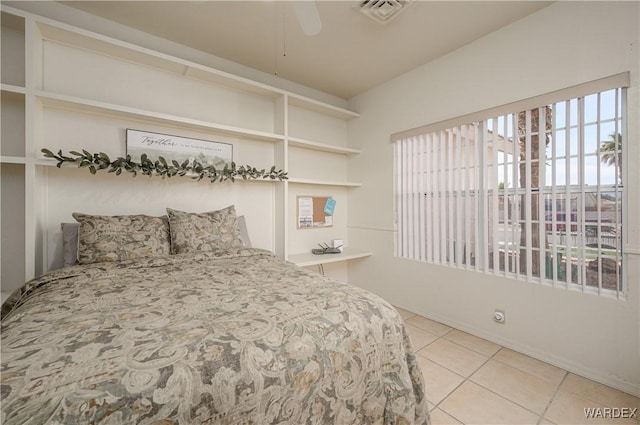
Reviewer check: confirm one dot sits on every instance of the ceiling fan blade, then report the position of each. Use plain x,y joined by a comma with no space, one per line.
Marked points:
308,16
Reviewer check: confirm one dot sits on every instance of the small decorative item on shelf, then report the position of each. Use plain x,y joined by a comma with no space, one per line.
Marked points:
325,249
160,167
338,244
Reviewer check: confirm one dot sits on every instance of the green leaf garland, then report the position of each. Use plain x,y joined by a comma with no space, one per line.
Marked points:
160,167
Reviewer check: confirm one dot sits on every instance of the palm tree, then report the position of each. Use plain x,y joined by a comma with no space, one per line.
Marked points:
533,179
611,152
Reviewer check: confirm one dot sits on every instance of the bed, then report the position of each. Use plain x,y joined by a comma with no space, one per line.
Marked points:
219,334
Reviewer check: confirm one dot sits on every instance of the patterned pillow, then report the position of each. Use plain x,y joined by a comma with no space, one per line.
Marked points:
209,231
117,238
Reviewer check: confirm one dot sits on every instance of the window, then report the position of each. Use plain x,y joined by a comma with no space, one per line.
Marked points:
528,191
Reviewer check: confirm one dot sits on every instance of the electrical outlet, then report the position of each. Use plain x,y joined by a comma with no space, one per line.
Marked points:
499,316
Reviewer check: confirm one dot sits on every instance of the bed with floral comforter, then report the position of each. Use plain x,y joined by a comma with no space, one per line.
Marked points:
232,337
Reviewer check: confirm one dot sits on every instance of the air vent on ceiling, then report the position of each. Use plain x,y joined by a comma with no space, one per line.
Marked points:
383,11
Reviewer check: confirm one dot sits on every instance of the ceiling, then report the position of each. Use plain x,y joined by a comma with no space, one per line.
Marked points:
351,54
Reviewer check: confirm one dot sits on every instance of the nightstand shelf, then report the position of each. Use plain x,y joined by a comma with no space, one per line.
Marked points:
309,259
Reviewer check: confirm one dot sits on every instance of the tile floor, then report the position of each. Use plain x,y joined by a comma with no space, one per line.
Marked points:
473,381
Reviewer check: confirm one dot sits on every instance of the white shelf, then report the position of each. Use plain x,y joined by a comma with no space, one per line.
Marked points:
10,88
66,34
323,108
308,144
309,259
5,159
323,182
214,76
55,100
108,46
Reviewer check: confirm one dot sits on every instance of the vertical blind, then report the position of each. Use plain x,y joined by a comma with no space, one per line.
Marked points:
532,193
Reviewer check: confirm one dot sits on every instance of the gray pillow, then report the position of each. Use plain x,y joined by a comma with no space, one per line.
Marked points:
208,231
121,237
244,233
70,232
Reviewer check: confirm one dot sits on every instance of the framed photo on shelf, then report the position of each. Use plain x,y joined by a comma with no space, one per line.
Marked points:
178,148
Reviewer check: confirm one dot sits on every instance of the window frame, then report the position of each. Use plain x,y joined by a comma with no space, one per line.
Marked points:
412,220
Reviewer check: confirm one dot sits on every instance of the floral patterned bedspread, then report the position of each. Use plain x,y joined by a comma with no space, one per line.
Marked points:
225,338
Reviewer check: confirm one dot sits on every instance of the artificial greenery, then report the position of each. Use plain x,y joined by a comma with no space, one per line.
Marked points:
160,167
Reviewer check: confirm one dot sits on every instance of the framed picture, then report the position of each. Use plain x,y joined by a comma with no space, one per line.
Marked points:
177,148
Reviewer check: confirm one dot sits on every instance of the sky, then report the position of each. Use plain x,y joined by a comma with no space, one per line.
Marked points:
587,136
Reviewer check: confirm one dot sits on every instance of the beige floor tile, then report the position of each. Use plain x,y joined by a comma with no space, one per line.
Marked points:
419,338
439,381
530,365
405,314
569,409
472,404
471,342
516,385
607,396
454,357
428,325
438,417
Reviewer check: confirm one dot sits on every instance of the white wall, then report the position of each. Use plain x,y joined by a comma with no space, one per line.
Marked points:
564,44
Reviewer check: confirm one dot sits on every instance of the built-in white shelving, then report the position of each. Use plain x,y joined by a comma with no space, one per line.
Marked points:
53,100
309,259
12,159
66,34
323,108
10,88
48,82
308,144
323,182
